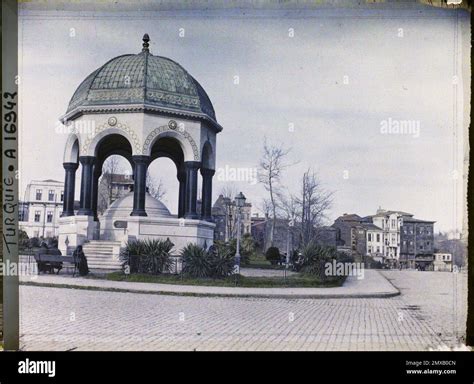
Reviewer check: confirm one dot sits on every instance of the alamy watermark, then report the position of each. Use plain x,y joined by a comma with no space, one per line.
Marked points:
247,174
337,268
9,268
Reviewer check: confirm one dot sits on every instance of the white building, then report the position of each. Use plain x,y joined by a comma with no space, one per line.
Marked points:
443,262
390,223
41,208
375,242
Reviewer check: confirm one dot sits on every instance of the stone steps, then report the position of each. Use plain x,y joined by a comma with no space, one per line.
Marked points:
100,255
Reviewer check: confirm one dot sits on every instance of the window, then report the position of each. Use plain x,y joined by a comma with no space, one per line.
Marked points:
378,237
39,193
378,249
62,195
37,216
394,223
369,237
51,195
49,217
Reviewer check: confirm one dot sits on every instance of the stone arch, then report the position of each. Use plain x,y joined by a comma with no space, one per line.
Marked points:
71,149
91,143
187,143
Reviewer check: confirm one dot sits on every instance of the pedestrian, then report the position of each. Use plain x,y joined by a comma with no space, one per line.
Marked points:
81,261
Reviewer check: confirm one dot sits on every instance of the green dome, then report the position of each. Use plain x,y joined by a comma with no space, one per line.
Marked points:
142,80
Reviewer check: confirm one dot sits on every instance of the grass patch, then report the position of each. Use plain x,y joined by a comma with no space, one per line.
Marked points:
299,281
260,262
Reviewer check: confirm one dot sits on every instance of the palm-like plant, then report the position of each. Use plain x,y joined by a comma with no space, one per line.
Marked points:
148,256
222,261
196,261
314,257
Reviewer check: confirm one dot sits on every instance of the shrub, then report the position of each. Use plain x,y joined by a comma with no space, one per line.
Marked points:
273,255
246,248
314,258
34,242
222,261
196,261
149,256
218,262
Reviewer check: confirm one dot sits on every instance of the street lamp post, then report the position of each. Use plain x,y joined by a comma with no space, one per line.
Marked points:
239,202
291,223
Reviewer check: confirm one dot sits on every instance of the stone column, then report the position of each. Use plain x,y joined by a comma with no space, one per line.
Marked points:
139,186
69,188
87,163
206,207
95,189
182,193
191,189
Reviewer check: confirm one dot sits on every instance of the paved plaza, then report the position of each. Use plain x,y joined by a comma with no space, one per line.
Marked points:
429,313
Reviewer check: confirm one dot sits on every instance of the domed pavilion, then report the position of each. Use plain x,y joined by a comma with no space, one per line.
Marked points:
142,107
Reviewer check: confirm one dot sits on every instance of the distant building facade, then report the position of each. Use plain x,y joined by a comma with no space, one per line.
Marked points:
417,243
394,238
443,262
41,208
327,236
112,187
224,214
351,233
375,242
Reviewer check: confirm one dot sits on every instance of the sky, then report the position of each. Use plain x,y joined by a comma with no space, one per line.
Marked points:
330,85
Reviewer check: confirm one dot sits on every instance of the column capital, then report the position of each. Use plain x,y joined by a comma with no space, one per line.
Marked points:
207,172
70,166
192,164
141,159
89,160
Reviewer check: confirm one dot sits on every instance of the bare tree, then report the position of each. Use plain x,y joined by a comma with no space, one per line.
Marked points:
272,164
310,206
266,207
155,187
229,191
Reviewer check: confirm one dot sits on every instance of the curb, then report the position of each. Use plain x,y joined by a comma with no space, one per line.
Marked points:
212,294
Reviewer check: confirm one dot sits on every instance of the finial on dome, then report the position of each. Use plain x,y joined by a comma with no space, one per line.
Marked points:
146,39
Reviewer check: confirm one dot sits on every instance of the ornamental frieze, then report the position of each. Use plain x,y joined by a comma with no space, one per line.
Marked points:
169,98
167,128
115,94
132,136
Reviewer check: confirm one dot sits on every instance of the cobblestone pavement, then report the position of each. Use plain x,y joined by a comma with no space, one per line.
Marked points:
69,319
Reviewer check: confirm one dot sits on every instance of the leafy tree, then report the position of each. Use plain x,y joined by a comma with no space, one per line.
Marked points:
273,255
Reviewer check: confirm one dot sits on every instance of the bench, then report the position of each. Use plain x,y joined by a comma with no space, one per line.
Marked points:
49,260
